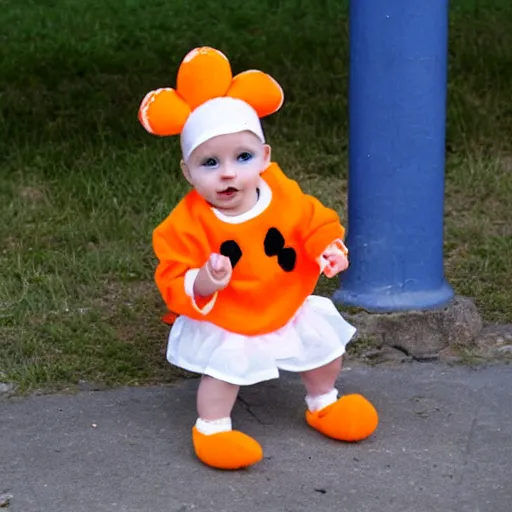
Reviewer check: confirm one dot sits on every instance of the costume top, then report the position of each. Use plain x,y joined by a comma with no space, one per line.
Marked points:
274,251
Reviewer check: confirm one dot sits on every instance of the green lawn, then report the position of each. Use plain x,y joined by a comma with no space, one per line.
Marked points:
82,185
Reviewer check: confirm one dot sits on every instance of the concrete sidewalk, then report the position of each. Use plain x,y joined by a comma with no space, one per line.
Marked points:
444,444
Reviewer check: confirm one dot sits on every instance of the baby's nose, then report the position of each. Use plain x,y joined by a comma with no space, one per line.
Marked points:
228,171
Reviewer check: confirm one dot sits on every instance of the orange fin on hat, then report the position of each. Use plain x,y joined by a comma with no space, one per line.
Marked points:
259,90
162,112
205,73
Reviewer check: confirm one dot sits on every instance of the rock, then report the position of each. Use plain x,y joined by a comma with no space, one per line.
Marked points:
450,355
495,335
385,354
84,385
5,499
421,334
462,322
495,342
6,387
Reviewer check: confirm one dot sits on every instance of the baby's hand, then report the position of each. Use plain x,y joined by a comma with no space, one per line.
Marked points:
336,257
219,268
213,276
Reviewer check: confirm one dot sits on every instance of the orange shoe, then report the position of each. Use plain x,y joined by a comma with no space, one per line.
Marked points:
351,418
226,450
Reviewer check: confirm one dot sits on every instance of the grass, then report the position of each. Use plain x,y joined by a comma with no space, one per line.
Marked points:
82,185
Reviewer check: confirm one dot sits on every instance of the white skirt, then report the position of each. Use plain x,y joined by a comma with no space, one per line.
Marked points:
315,336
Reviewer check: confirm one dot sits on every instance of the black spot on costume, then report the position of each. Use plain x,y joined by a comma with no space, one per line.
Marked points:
232,250
274,246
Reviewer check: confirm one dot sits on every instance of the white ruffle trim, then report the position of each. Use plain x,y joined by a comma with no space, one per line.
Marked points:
315,336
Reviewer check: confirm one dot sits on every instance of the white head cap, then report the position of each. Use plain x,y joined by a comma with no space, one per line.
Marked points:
218,116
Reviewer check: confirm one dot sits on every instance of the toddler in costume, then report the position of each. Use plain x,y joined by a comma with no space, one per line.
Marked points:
239,258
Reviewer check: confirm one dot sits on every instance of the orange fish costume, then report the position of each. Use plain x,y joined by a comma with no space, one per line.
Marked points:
267,319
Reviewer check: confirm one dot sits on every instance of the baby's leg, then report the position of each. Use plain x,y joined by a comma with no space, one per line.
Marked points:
215,443
215,401
351,418
320,385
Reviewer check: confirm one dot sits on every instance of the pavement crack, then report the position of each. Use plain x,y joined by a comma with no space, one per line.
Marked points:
401,349
247,406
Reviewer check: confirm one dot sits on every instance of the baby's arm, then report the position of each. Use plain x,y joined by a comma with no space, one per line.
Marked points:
188,284
323,236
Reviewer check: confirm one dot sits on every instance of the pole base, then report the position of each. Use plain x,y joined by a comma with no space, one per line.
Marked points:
380,301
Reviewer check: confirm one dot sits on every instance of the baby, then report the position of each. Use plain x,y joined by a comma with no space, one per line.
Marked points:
239,258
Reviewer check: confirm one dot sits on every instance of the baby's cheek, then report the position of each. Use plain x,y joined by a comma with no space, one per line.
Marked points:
206,186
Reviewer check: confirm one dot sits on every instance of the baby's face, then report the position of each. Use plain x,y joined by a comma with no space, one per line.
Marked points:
226,169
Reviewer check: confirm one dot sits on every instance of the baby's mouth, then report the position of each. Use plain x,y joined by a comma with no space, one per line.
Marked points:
228,191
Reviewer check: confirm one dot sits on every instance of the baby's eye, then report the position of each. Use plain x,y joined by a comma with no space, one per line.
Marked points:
210,162
244,157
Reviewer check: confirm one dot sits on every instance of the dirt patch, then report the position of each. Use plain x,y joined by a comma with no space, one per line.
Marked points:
505,162
32,194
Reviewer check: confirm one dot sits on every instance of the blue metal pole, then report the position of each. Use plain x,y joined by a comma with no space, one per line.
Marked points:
397,116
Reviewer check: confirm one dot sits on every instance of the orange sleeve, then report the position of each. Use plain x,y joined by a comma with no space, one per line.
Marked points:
321,226
180,252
